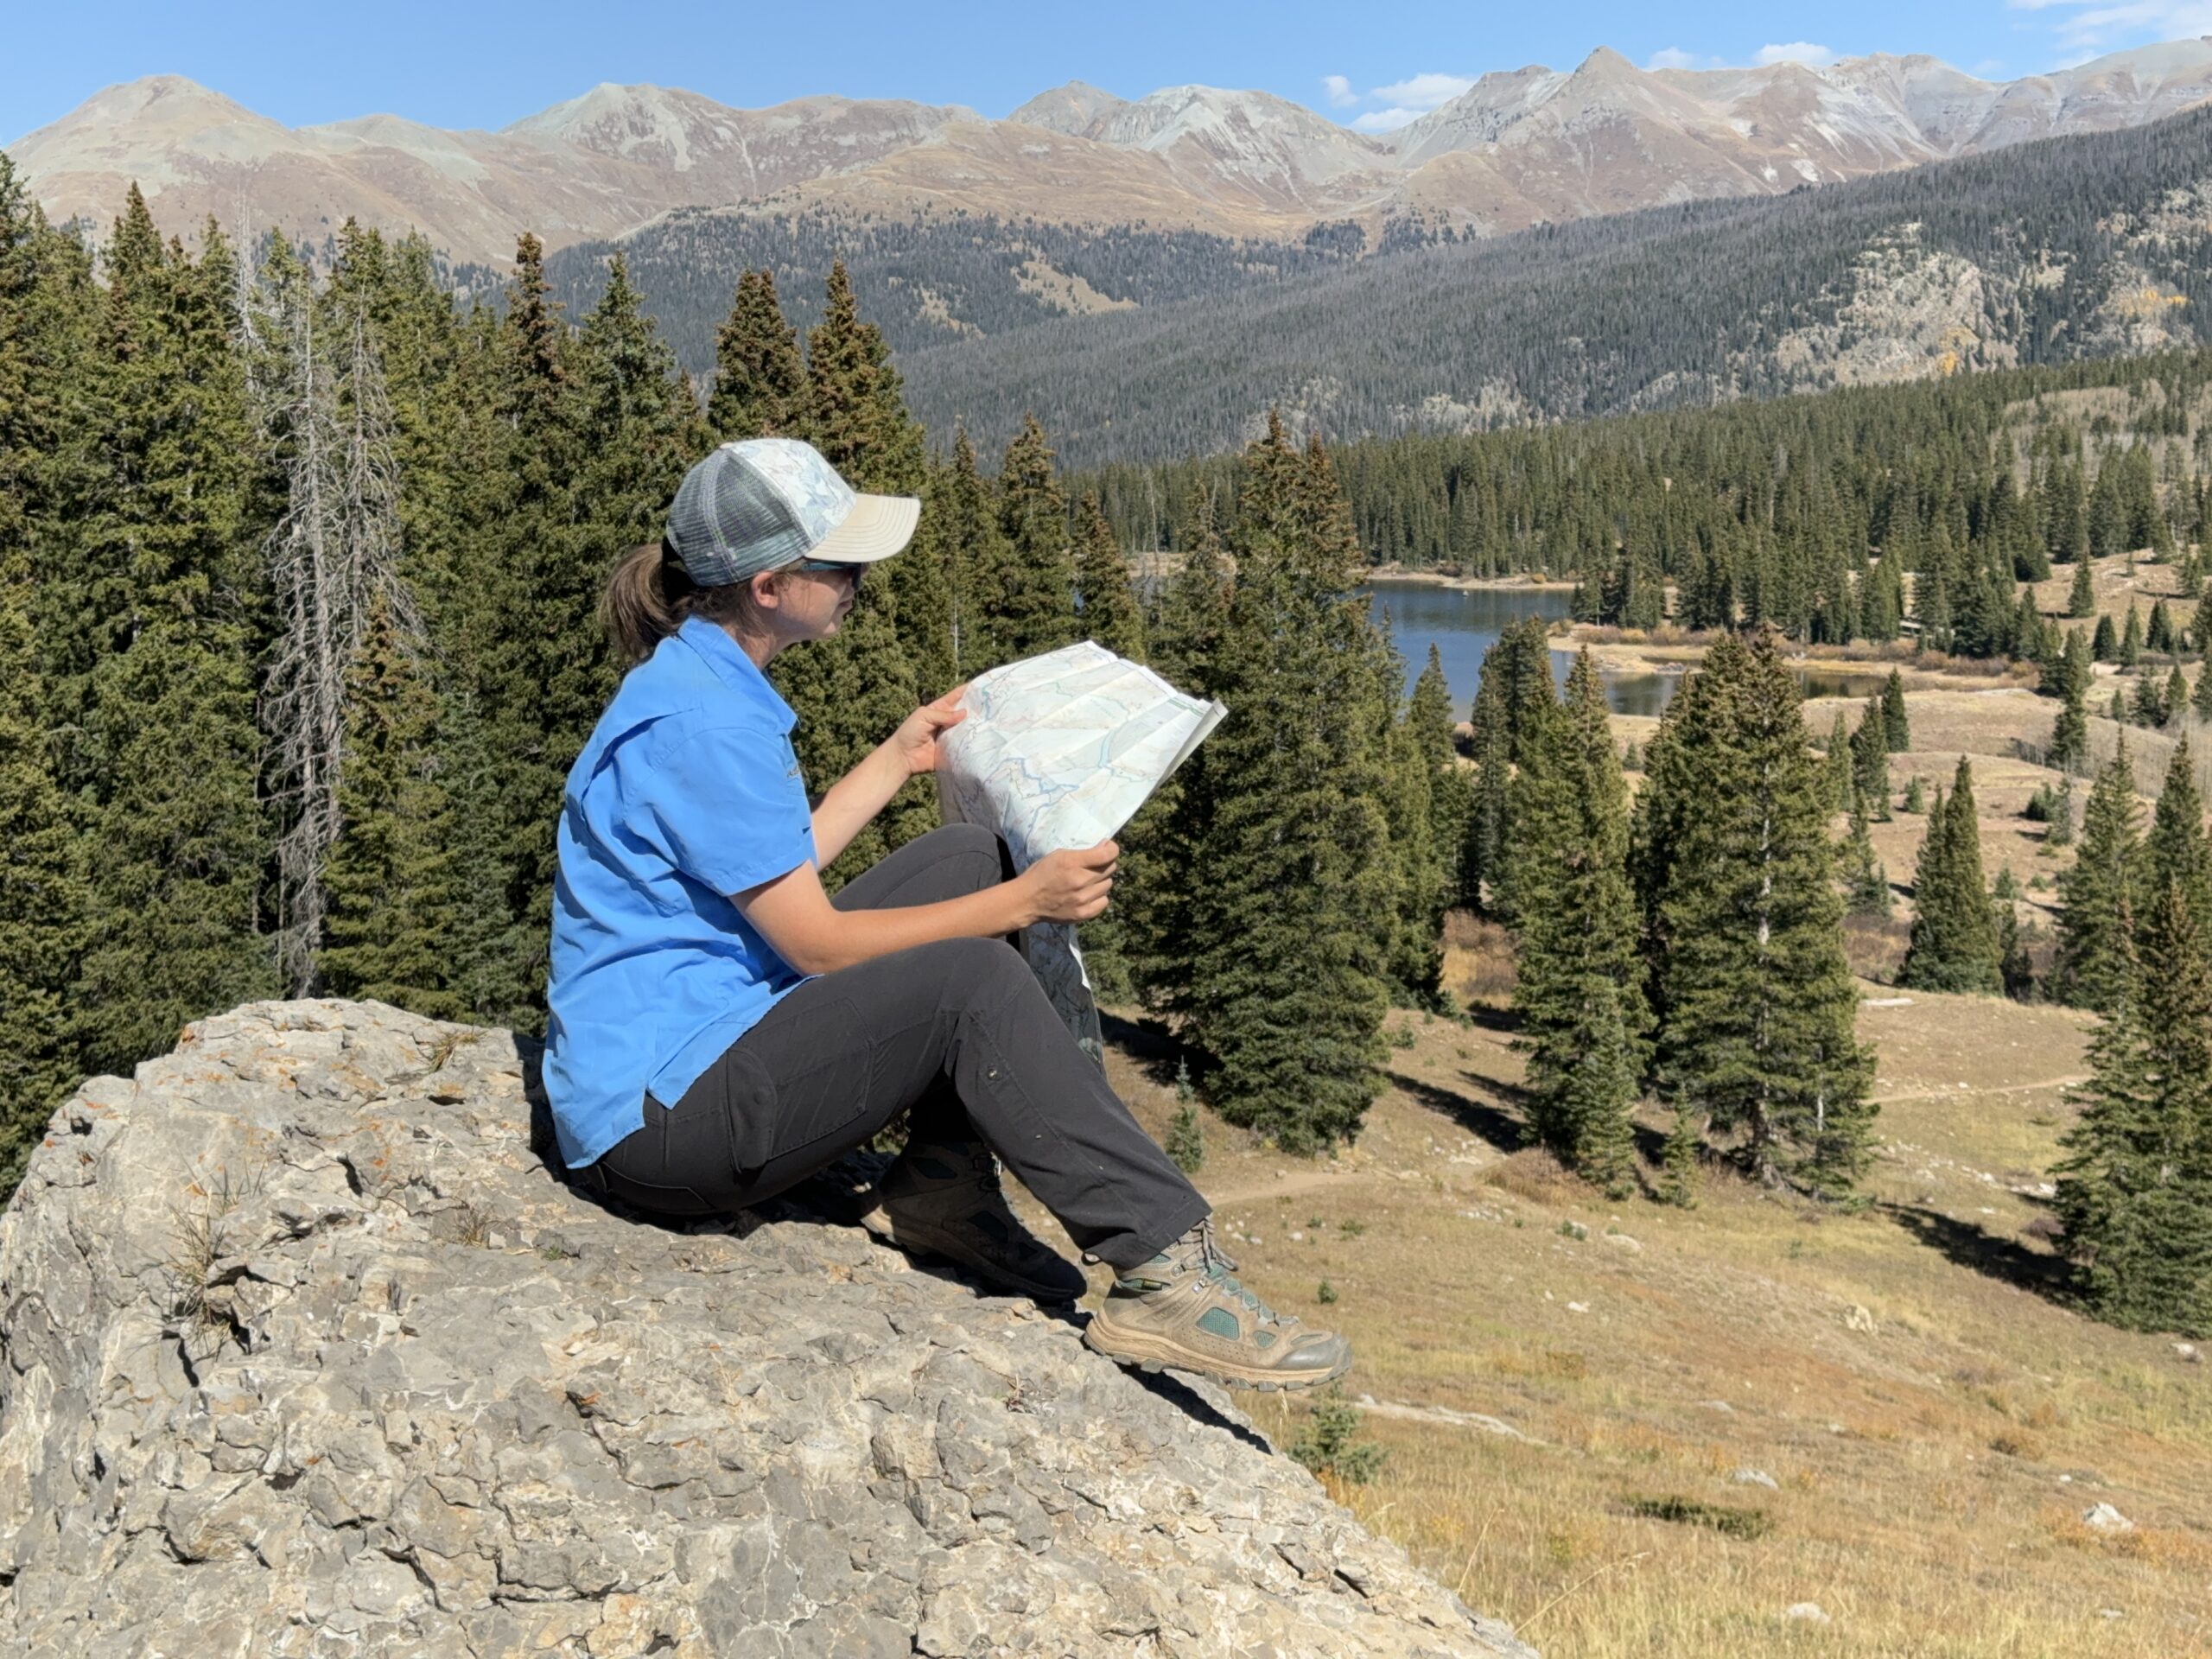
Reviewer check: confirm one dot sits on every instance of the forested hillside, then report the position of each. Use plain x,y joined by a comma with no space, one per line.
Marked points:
928,281
2078,247
1854,514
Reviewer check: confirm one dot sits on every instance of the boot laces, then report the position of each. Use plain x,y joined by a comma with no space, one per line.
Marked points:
1217,1269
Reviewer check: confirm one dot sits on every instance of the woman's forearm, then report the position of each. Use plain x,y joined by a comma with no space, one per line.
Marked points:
855,798
859,934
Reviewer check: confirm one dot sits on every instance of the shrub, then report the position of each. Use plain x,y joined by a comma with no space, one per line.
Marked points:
1331,1443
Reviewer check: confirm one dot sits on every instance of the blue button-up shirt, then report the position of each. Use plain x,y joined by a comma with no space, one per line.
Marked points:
688,791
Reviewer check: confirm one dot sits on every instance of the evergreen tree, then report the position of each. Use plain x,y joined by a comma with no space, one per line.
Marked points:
42,882
1288,1000
169,743
1034,610
1582,1020
2176,852
1867,884
2131,640
1429,716
1955,945
2175,698
1896,727
2082,596
1109,612
1914,801
2069,732
391,922
2147,708
2091,971
2160,635
1490,810
2015,967
1841,766
2135,1191
1870,761
760,388
1756,1000
974,554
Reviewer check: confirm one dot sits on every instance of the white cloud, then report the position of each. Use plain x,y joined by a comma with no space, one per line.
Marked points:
2093,26
1423,91
1673,57
1803,52
1341,96
1385,120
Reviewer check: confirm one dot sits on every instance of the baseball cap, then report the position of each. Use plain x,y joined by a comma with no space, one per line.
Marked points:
760,504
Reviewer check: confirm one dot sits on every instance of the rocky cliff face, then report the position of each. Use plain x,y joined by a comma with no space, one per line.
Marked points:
308,1353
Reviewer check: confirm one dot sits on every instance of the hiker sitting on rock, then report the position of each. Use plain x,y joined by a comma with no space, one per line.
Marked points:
721,1028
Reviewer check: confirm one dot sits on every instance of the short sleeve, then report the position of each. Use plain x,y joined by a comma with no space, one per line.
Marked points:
725,805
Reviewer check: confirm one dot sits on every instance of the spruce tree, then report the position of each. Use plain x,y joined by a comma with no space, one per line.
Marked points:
1870,760
392,921
2131,640
1756,999
2070,731
1033,609
2104,642
2098,892
1954,945
2175,700
2199,702
1413,942
1109,612
975,556
42,890
174,758
1288,999
2135,1191
1452,786
2176,852
1490,809
1867,884
2082,596
1842,766
1897,725
760,388
1582,1018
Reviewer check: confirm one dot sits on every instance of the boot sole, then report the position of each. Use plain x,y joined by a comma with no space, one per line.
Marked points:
1157,1354
928,1243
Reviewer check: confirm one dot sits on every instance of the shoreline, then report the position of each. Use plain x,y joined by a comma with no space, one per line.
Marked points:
1399,576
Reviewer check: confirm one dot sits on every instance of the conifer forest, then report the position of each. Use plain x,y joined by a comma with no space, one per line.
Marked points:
300,560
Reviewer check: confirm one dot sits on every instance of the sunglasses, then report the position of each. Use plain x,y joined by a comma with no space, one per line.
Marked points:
833,567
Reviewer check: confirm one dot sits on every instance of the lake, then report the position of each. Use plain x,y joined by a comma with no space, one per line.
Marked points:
1463,623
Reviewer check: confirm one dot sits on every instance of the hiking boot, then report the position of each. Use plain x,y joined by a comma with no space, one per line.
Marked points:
943,1198
1184,1309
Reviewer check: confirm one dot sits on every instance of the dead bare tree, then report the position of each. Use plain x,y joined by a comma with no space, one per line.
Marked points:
335,552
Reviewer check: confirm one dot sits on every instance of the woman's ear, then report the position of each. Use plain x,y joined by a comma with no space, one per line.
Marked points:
762,586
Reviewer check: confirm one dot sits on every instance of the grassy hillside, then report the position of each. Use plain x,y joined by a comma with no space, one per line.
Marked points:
1637,1430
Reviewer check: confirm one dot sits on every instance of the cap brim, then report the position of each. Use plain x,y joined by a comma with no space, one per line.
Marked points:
877,527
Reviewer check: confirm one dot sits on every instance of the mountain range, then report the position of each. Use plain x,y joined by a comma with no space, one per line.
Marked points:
1516,150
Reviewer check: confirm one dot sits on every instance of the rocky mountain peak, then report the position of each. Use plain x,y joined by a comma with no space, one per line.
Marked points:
308,1351
1073,108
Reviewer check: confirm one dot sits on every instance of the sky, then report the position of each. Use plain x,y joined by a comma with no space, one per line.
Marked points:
1372,64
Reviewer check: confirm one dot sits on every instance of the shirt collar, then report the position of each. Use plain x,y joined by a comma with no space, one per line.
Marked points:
733,668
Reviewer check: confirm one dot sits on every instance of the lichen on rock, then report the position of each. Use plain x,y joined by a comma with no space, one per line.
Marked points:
309,1352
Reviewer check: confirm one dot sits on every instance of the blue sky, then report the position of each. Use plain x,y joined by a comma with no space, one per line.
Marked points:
1367,62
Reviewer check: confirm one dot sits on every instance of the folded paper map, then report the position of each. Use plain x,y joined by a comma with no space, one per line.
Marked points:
1060,750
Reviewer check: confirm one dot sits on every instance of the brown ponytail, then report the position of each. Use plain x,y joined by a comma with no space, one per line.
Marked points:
650,594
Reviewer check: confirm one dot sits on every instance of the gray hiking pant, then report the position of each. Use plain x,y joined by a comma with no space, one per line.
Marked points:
959,1032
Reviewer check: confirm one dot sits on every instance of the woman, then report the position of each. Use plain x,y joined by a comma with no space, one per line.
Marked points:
721,1028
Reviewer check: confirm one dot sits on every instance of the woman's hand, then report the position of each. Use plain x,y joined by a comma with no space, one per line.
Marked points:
1071,885
915,742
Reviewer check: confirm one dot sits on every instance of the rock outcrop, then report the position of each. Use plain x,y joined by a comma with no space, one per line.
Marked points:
309,1352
